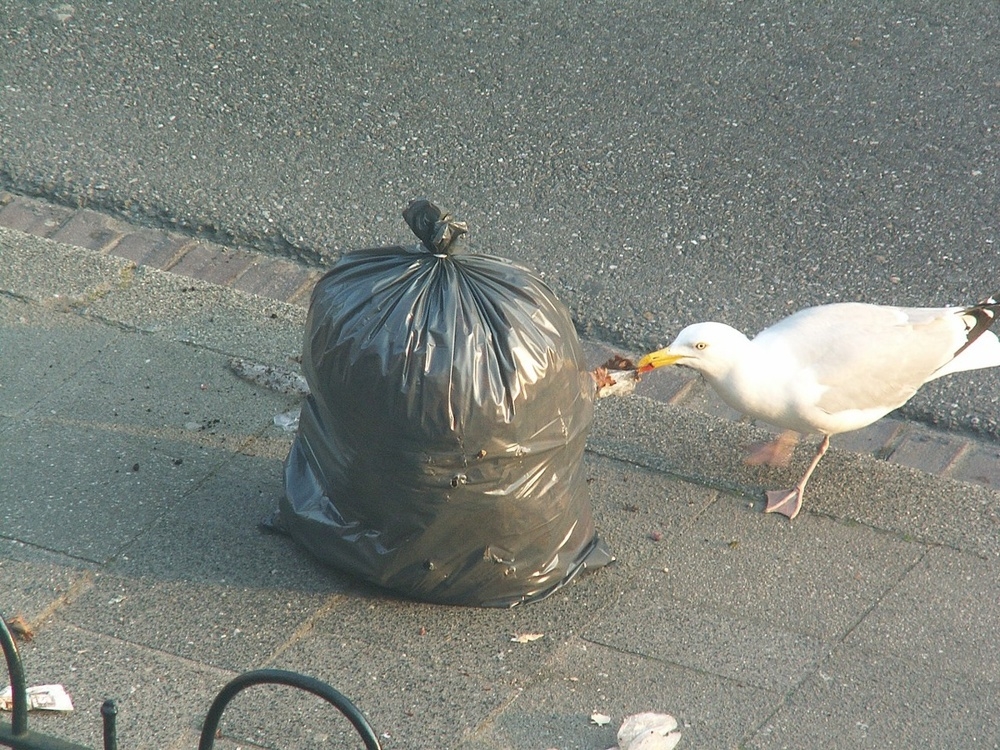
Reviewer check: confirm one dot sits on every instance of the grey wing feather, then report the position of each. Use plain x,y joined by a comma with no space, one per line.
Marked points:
869,356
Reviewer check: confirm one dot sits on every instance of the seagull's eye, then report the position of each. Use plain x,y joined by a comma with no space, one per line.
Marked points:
700,346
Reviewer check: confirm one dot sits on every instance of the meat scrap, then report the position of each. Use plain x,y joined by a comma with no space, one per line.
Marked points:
616,377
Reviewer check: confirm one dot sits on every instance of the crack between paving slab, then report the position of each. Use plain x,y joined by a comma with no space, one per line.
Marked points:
677,664
224,673
19,297
888,590
752,734
131,328
491,718
949,468
307,626
214,471
75,589
837,645
199,438
650,461
52,550
892,443
907,537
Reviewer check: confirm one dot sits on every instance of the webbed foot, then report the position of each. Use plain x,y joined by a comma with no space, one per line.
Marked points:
785,502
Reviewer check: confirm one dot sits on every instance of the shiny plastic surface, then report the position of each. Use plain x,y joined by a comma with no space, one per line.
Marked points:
440,453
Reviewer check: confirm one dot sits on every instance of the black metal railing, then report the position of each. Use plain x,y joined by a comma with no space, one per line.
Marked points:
18,736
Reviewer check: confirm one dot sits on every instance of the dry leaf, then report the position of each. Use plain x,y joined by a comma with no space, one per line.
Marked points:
526,637
20,627
602,720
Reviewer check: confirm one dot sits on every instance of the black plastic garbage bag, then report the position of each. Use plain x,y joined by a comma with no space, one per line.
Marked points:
440,453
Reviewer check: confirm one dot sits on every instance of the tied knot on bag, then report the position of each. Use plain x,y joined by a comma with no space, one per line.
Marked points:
438,231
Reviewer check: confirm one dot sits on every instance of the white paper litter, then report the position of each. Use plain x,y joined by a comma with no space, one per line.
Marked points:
289,420
40,698
648,731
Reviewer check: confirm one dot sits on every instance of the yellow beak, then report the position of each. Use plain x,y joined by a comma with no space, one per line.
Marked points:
659,358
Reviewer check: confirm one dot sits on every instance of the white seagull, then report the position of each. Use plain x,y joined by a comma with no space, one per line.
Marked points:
832,368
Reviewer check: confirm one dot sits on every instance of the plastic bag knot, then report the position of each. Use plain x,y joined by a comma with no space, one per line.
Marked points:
438,231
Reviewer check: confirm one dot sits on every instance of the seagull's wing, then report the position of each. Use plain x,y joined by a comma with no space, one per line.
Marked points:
868,357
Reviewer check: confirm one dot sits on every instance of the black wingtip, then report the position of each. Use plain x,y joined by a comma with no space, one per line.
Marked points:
985,314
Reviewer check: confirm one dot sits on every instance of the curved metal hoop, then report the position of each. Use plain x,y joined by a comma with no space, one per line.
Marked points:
19,717
19,736
291,679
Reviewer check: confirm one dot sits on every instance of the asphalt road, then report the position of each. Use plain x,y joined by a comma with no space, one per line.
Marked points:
660,162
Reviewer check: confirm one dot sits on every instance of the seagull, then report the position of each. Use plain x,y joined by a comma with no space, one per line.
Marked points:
831,369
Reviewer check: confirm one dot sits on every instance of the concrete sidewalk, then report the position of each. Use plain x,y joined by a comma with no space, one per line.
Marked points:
135,467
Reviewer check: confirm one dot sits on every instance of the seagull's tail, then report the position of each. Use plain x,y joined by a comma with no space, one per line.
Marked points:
983,315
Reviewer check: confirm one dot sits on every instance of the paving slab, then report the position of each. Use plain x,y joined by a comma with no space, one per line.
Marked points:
198,534
938,453
40,352
275,276
158,697
168,390
37,582
33,216
226,615
214,264
708,451
744,598
587,678
878,439
115,290
58,276
225,626
142,439
861,699
942,614
151,247
980,464
92,230
74,488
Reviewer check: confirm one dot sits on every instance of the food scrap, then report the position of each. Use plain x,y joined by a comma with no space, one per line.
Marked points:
616,377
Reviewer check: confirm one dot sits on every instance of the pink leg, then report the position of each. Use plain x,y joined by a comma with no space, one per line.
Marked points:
788,502
777,452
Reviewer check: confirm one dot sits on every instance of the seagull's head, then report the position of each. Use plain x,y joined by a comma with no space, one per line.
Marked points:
710,348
